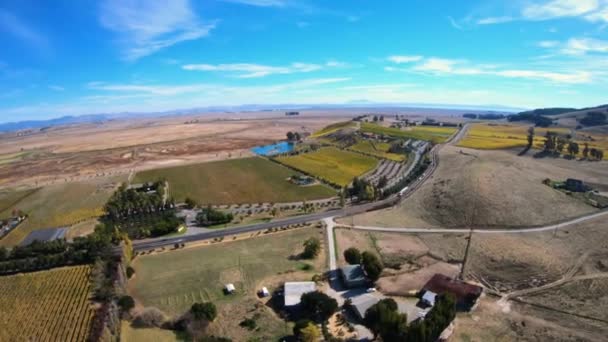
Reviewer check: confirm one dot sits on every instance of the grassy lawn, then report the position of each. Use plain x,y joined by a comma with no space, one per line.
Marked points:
377,149
173,281
9,198
332,164
333,128
494,136
429,133
131,334
59,205
237,181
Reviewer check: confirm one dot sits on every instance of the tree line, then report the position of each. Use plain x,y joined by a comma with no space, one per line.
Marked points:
556,144
142,212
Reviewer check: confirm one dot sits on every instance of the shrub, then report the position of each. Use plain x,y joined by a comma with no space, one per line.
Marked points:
372,265
149,318
204,311
352,256
312,247
318,305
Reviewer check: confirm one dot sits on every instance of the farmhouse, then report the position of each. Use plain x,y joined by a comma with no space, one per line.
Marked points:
295,290
466,294
353,276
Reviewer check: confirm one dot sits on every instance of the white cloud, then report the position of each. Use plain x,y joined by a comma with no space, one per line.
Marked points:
590,10
442,66
251,70
147,27
494,20
577,46
56,87
548,44
336,64
559,8
580,46
455,24
599,15
403,59
15,26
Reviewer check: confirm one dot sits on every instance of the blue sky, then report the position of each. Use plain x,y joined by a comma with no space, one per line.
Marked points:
79,57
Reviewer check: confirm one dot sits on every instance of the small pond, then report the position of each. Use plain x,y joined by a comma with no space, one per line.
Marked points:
271,150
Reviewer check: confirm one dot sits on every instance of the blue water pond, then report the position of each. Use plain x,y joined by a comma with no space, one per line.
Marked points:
274,149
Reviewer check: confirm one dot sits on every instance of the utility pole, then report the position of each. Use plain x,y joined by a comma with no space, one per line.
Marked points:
470,221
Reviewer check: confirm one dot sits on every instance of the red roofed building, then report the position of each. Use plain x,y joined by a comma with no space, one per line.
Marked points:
466,294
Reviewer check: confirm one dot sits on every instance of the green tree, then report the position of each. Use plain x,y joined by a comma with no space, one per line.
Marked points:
352,256
312,247
290,136
204,311
372,265
586,151
383,319
190,203
572,148
530,136
318,306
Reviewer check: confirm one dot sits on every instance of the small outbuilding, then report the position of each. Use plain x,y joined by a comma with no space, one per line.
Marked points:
229,288
353,276
295,290
264,292
428,298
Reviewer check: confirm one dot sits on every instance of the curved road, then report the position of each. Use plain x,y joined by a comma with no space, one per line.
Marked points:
485,231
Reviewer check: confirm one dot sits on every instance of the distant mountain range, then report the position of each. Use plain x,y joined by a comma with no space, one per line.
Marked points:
93,118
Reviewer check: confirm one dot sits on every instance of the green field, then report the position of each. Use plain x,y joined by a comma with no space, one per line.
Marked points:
173,281
237,181
333,128
331,164
377,149
56,206
429,133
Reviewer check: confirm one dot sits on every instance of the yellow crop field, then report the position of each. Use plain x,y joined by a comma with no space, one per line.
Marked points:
493,136
46,306
57,206
331,164
377,149
435,134
333,128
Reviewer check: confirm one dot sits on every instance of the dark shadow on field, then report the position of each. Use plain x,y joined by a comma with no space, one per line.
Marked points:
545,154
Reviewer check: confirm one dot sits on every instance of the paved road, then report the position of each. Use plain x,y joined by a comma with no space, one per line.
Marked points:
329,224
